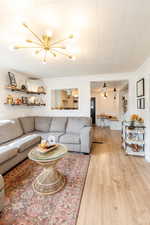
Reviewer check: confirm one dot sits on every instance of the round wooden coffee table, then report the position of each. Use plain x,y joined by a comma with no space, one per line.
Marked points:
50,180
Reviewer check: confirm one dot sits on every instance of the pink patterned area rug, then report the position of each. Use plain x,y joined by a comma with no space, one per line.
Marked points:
25,207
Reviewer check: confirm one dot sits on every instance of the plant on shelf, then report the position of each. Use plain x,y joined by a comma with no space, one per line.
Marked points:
135,119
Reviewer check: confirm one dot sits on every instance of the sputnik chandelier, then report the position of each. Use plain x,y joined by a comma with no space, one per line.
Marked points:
45,44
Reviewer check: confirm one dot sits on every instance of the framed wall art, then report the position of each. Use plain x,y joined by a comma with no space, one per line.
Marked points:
142,103
140,88
138,103
12,79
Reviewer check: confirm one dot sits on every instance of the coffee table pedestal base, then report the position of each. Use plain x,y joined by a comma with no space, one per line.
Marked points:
50,180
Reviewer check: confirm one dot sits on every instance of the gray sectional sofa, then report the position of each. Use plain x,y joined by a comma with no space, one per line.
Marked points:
18,136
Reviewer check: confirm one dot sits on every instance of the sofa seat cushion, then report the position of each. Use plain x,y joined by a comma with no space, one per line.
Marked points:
70,138
26,141
45,136
58,124
42,123
10,130
27,124
7,152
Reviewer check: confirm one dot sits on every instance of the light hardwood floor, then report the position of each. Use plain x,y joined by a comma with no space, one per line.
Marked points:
117,189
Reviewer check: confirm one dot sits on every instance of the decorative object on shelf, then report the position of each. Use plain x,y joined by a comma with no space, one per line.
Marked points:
135,119
140,87
24,100
18,101
9,99
40,89
23,87
31,100
12,79
133,138
47,44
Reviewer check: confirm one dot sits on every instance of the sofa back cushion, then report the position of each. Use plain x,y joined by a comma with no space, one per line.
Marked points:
58,124
75,124
42,123
10,130
27,124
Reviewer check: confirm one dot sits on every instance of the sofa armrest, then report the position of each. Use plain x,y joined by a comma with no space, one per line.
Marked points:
86,139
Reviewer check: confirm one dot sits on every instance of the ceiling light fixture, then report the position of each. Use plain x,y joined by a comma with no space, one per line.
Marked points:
45,44
115,93
105,90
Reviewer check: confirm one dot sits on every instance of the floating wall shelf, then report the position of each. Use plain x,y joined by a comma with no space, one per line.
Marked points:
25,91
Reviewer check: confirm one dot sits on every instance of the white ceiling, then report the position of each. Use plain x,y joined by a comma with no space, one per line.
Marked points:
114,34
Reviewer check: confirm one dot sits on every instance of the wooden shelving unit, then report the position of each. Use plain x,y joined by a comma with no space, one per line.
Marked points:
133,138
25,104
26,92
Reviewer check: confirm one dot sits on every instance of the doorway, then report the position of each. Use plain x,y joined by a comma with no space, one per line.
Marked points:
93,110
109,103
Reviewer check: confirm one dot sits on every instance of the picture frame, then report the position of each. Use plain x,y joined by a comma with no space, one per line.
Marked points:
140,88
142,103
12,79
138,103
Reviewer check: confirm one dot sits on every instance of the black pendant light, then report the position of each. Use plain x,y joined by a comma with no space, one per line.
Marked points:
115,90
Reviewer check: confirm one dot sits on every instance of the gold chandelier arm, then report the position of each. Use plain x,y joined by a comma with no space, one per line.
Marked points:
59,41
33,33
62,53
59,46
34,42
18,47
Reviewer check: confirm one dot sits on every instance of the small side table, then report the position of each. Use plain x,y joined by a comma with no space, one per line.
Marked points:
50,180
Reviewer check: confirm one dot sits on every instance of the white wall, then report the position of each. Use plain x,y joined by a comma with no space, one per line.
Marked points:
7,111
144,72
83,84
60,83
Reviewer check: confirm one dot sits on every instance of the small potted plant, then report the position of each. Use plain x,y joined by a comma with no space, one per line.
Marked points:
134,118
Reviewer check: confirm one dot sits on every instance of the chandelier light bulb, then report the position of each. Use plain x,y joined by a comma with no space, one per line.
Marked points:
12,48
44,61
71,57
49,33
16,47
71,36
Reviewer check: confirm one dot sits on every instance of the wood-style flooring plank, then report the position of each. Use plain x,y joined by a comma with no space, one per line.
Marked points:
117,189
